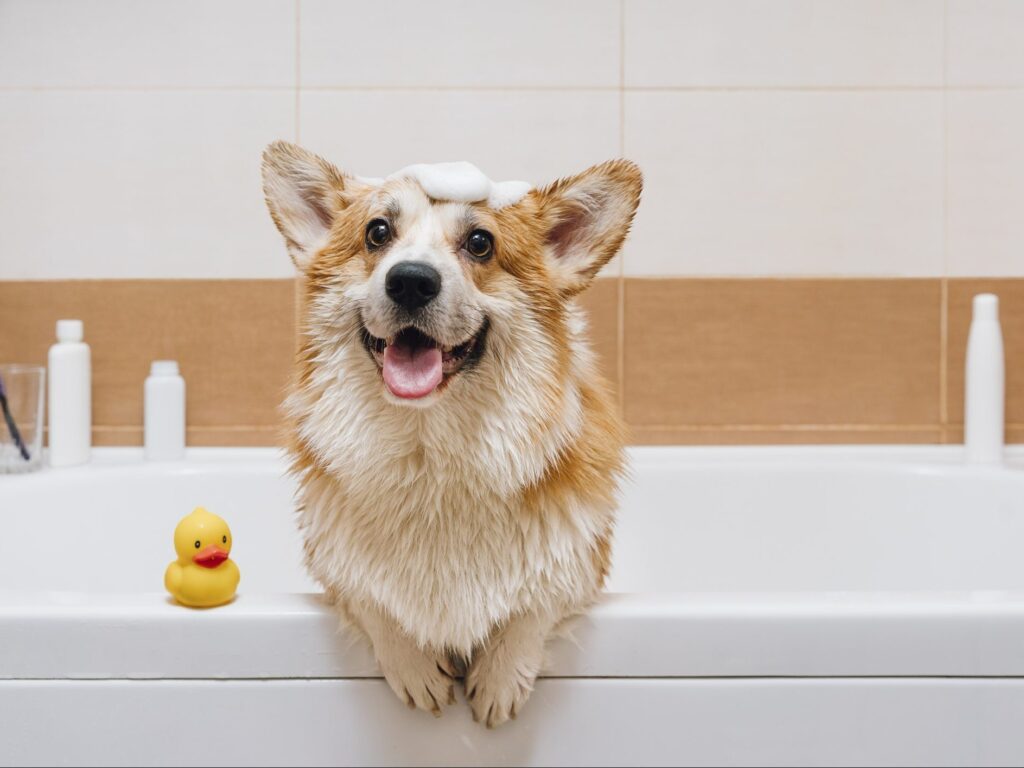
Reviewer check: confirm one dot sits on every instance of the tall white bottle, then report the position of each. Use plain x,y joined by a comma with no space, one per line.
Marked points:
165,412
985,384
70,400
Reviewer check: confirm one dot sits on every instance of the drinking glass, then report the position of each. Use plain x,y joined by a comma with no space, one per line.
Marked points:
22,392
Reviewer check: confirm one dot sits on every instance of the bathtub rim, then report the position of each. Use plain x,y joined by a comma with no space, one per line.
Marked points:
692,634
713,634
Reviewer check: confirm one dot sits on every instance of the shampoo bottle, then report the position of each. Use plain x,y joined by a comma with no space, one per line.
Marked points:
70,401
984,395
165,412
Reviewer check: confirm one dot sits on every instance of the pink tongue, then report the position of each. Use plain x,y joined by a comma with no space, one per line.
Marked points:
412,372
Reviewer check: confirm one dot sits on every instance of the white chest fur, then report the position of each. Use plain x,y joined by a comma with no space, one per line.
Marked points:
446,556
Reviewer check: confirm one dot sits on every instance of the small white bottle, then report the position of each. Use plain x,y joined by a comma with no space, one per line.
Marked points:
70,401
985,384
164,412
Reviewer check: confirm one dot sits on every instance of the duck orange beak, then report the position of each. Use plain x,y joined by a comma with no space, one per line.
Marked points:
210,557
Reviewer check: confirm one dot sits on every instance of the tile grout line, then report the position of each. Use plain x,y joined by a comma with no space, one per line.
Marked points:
516,88
659,427
297,296
620,305
298,71
620,340
787,427
113,428
691,277
944,285
800,277
944,355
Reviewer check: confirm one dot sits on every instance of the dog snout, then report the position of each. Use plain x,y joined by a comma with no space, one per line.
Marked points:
412,284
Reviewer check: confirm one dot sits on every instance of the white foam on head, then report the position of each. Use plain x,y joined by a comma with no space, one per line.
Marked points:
462,182
507,193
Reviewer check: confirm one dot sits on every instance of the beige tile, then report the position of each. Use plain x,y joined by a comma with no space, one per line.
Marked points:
127,184
787,183
124,43
234,341
536,136
460,43
783,43
984,42
986,183
601,302
1011,316
782,352
782,436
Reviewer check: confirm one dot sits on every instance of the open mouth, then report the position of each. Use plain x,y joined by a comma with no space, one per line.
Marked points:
413,364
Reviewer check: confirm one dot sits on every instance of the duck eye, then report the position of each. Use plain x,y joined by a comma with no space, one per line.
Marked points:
378,232
480,244
224,539
197,543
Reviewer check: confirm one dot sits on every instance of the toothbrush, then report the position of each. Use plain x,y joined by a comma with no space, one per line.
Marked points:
11,426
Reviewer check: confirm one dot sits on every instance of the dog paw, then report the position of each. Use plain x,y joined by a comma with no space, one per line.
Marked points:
422,679
498,684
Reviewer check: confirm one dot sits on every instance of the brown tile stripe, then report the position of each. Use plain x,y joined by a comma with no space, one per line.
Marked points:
782,352
234,341
706,361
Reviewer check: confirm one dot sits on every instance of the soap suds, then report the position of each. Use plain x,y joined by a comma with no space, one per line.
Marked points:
461,182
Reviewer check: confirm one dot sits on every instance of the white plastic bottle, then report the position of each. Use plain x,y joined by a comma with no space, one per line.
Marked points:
70,400
165,412
985,384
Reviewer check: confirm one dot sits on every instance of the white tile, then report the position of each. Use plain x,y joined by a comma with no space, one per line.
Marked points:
986,42
460,43
986,183
125,184
786,183
783,42
532,135
127,43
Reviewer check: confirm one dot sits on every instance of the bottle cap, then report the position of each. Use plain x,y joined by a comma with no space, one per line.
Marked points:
69,330
986,306
164,368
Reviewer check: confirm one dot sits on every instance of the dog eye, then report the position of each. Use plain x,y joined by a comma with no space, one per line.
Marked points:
378,232
480,244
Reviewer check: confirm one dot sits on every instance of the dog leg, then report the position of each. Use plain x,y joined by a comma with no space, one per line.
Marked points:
502,672
421,678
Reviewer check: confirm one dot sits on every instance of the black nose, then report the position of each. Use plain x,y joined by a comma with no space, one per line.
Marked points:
412,284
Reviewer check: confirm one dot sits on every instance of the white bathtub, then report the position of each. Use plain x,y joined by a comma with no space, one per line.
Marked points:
769,606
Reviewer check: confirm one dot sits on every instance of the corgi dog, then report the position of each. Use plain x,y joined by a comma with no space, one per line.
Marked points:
458,453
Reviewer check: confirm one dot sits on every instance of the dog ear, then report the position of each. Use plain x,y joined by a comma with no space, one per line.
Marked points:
303,192
587,218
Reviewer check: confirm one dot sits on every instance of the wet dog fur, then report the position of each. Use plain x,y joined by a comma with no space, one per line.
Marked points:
459,529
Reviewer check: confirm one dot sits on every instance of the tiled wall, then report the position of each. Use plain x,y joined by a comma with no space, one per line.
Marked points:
695,360
823,177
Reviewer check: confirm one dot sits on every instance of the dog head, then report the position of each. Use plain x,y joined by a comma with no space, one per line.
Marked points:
442,297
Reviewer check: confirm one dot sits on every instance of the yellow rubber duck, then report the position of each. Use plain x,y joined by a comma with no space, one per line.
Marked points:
202,576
